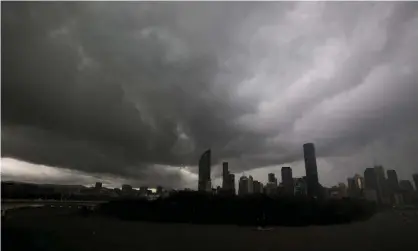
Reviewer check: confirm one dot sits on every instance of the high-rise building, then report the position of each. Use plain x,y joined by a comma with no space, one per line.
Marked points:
270,189
204,172
371,185
287,180
407,191
250,184
383,188
232,182
243,186
415,177
311,170
144,191
406,185
342,190
375,180
258,187
393,182
300,186
159,190
225,176
351,184
272,178
370,179
355,186
359,181
99,185
126,188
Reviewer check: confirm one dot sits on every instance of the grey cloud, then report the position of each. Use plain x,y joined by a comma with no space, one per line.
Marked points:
123,88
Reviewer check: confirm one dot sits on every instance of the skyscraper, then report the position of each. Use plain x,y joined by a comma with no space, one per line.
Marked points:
355,185
311,169
225,176
407,191
243,186
287,180
370,179
204,172
406,185
393,182
250,184
415,178
272,178
300,186
359,181
258,187
382,185
99,185
126,188
342,190
232,183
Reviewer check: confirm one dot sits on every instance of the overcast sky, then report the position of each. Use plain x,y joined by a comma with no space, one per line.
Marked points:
131,92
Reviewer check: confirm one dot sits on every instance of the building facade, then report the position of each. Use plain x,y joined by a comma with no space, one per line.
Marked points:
393,182
204,172
250,184
311,170
243,186
415,178
225,177
258,187
287,180
232,183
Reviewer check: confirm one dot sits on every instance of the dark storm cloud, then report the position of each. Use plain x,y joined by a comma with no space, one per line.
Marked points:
124,88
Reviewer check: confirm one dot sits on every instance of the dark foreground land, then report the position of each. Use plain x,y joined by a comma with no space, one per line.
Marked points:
65,229
192,207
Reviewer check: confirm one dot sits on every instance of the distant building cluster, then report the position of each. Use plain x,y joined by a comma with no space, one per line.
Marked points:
374,186
22,190
290,186
386,190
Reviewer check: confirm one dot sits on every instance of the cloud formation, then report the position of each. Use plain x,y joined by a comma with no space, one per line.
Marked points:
132,89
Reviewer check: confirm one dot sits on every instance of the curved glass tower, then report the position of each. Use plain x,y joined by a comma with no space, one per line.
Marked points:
204,172
311,170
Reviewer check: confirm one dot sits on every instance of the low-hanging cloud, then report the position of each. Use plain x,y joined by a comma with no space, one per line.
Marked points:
133,89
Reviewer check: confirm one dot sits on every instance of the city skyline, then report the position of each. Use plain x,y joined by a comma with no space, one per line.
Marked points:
215,180
133,93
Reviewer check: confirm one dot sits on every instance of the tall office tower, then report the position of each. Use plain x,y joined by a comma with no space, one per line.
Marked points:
243,186
355,185
380,174
204,172
300,186
99,185
359,181
370,179
126,188
352,188
415,178
311,169
232,182
407,191
159,190
250,184
342,190
287,180
406,185
271,177
225,176
393,182
382,184
258,187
